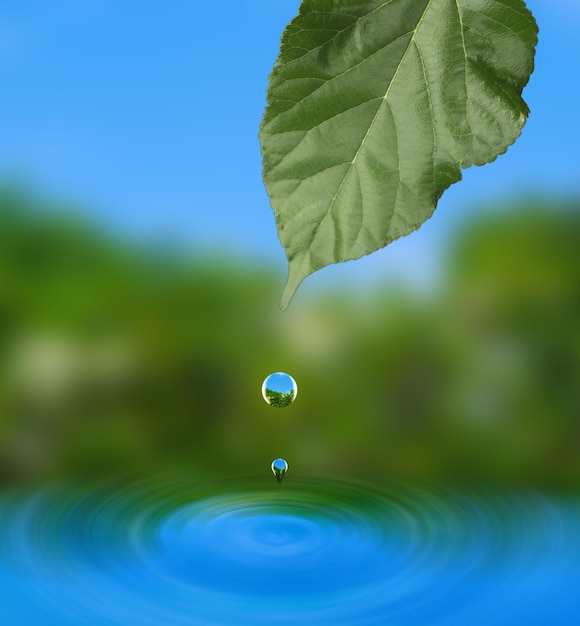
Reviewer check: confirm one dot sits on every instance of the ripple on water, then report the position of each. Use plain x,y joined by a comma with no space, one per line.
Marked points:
313,553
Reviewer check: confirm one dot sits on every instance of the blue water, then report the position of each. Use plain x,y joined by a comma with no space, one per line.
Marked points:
254,552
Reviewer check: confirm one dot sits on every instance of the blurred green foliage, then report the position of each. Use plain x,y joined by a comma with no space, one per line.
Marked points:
115,358
278,399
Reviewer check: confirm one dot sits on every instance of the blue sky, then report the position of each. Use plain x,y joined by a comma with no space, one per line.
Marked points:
145,115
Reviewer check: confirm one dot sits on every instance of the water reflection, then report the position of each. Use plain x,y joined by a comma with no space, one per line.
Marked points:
279,468
316,552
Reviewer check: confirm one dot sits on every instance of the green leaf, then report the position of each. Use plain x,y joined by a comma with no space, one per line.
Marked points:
373,109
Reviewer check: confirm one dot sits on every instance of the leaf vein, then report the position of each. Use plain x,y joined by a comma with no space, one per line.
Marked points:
374,119
357,18
433,124
465,57
336,76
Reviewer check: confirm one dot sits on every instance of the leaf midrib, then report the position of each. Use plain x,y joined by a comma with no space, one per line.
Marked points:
373,121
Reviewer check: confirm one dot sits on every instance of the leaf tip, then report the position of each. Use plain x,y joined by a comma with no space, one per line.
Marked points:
287,294
296,274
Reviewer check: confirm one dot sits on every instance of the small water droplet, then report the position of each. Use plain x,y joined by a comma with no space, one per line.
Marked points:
279,468
279,389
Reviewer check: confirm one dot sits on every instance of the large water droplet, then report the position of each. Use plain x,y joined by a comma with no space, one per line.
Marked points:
279,468
279,389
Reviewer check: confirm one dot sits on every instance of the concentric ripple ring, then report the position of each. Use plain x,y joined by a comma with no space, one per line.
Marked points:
326,552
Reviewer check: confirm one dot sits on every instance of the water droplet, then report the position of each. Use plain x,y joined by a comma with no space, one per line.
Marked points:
279,468
279,389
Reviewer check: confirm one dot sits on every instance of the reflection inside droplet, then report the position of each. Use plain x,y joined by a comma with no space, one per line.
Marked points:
279,468
279,389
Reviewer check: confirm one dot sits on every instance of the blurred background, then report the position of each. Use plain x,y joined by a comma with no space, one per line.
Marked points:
140,271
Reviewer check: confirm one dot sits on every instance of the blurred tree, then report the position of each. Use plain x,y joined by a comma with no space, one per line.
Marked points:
116,358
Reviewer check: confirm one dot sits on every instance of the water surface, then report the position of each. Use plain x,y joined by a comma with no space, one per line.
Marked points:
251,551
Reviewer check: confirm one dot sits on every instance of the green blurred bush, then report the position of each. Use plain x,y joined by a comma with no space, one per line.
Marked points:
114,359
